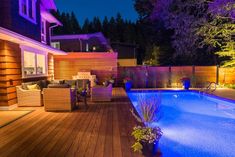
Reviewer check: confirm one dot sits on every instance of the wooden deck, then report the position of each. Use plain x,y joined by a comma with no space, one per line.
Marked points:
103,130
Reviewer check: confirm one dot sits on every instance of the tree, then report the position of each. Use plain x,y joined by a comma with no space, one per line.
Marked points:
85,27
183,17
75,27
105,26
144,8
219,29
97,26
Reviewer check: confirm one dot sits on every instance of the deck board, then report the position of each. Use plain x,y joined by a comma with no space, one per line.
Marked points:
103,130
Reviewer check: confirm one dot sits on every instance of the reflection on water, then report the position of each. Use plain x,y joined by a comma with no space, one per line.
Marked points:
194,125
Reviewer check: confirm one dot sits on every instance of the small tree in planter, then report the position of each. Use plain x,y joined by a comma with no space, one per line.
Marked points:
128,83
146,137
186,82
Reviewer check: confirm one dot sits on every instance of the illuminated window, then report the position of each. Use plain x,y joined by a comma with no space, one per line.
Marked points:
34,64
55,45
87,47
27,9
41,64
29,63
43,31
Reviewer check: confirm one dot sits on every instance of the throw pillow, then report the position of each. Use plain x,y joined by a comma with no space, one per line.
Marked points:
33,87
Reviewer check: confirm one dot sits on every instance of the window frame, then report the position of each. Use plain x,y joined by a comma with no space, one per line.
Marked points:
36,52
44,34
27,16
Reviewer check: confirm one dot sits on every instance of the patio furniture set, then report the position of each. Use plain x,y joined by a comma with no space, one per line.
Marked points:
62,95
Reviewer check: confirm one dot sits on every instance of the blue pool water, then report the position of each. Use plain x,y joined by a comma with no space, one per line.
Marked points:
193,125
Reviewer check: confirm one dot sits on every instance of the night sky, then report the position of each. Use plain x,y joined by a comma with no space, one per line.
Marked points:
101,8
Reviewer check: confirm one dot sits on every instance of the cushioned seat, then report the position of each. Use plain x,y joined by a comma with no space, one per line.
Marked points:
59,99
27,97
101,93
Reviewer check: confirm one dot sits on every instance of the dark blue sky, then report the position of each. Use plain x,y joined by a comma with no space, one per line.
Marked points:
90,8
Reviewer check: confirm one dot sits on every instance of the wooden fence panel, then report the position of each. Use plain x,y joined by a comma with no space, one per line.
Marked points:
158,77
204,74
103,65
227,75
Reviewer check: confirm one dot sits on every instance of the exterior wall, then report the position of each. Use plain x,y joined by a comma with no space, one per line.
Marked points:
127,62
76,45
12,20
50,66
10,72
103,65
157,77
48,33
125,51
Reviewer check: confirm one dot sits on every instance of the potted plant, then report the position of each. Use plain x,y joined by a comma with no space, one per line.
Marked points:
147,137
128,83
186,82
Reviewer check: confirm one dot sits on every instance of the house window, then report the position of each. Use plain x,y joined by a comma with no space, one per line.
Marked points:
87,47
41,64
29,63
34,64
55,45
43,31
27,9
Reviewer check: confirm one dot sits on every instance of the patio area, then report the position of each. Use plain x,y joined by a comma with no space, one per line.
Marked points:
103,130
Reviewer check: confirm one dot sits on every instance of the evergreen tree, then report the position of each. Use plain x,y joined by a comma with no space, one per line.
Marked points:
112,31
105,26
120,28
85,27
97,24
75,27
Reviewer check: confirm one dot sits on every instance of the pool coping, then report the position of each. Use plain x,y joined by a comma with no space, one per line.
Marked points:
180,90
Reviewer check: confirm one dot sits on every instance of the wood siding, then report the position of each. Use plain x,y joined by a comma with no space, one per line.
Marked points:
50,60
103,65
157,77
12,20
10,72
127,62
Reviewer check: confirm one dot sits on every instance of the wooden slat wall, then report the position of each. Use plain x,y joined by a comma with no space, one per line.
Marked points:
50,66
205,74
10,72
171,76
227,75
103,65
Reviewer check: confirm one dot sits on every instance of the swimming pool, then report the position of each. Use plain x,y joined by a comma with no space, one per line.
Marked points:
193,125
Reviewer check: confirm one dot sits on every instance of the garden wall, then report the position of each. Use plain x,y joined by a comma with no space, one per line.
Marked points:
103,65
156,77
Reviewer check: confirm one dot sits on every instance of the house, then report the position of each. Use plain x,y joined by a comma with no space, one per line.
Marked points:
93,42
25,51
126,53
85,52
96,42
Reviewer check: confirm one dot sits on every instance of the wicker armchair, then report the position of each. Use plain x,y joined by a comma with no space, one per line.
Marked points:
28,97
59,99
101,93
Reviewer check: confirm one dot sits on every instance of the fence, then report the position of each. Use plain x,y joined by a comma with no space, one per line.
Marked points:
158,77
103,65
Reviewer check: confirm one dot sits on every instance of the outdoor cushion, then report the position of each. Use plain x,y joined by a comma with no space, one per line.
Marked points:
24,85
43,84
33,87
58,86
